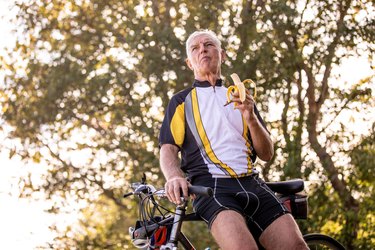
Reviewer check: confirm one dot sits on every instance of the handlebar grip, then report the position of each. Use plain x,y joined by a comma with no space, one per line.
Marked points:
199,190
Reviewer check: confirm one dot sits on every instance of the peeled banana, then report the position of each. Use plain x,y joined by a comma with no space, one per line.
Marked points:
238,87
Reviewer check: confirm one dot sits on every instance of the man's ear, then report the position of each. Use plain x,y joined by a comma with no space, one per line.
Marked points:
188,63
223,56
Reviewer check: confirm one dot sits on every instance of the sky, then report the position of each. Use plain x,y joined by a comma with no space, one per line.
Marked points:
24,224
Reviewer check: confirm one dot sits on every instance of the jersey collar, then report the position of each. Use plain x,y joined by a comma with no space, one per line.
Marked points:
205,84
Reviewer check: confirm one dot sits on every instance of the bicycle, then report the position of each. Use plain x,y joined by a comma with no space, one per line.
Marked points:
163,231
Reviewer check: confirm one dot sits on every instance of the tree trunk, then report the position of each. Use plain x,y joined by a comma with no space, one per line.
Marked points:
352,220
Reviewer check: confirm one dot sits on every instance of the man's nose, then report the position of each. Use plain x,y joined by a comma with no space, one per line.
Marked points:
202,48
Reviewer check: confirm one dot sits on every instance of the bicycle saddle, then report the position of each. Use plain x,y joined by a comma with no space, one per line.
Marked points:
286,187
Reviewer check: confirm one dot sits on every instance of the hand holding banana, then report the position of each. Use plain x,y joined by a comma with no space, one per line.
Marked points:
240,88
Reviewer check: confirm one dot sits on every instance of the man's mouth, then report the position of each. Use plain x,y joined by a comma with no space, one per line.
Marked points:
205,58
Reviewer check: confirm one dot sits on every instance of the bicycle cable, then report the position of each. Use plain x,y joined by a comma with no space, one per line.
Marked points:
148,207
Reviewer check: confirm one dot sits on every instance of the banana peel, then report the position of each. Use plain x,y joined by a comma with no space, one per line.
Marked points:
240,88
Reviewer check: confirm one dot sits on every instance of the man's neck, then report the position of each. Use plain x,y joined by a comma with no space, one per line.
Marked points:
211,78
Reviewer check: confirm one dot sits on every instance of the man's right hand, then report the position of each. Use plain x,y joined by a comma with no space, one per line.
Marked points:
173,188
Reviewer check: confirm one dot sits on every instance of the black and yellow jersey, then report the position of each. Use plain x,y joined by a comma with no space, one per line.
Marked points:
214,139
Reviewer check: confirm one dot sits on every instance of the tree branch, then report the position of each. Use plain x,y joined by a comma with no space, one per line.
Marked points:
331,52
106,192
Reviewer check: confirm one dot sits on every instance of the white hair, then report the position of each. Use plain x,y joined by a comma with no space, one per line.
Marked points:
202,32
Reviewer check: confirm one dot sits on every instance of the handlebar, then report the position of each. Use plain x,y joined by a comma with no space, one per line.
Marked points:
151,190
147,224
199,190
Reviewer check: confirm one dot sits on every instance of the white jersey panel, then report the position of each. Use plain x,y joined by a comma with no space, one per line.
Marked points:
225,131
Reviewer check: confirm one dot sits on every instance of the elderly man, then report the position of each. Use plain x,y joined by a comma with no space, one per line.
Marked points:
219,145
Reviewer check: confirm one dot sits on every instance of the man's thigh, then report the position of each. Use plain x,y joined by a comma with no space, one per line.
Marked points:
283,233
230,231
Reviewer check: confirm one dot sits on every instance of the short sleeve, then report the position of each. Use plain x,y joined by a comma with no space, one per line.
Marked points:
173,127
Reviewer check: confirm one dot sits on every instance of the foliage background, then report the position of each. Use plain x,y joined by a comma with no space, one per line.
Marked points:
86,84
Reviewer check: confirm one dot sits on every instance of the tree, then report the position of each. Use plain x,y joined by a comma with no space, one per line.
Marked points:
92,78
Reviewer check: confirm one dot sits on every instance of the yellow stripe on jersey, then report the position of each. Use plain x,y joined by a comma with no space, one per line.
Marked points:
245,135
203,136
178,125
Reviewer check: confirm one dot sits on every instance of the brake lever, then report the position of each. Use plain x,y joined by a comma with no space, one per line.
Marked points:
128,194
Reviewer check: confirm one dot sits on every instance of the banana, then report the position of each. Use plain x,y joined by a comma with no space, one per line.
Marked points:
238,87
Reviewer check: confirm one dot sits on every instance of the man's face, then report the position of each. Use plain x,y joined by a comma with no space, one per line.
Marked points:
204,56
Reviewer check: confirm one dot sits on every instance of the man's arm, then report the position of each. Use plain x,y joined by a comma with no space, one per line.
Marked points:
170,166
262,142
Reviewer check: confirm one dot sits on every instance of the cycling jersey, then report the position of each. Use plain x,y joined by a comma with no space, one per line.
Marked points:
214,139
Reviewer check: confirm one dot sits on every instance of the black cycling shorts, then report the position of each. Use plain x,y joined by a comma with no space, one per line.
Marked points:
249,196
